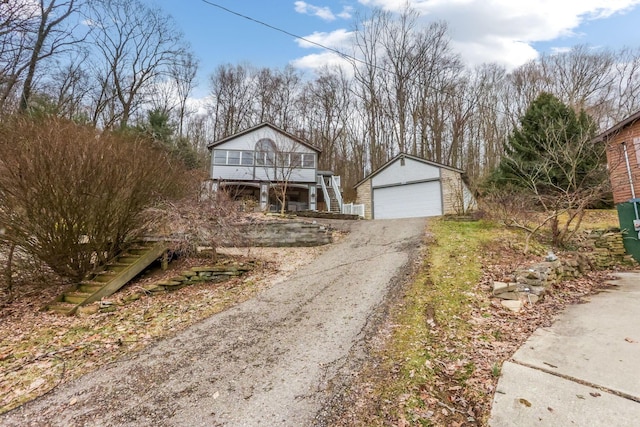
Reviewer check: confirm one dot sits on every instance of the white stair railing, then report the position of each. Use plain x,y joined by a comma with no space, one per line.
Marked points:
335,184
325,193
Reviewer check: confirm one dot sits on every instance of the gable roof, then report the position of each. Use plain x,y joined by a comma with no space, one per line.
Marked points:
406,156
618,127
262,125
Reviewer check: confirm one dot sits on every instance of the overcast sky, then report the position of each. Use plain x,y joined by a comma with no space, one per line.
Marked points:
509,32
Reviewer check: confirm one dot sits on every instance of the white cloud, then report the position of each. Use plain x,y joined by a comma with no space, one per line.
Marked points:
336,39
503,30
347,12
319,60
305,8
340,40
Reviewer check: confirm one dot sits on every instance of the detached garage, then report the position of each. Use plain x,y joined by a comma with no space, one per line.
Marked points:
408,187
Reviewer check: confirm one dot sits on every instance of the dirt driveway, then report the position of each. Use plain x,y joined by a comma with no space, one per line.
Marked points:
278,359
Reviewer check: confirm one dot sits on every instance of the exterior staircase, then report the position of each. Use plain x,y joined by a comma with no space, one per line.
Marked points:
115,275
335,205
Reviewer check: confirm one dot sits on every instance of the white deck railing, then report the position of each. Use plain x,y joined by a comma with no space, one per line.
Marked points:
352,209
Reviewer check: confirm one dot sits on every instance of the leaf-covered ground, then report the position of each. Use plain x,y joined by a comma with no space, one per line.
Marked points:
438,359
39,350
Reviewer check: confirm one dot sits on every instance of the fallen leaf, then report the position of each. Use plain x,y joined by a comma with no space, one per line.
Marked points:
595,394
630,340
525,402
579,396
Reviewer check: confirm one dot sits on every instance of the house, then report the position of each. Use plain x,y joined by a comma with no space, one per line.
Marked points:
408,186
258,162
623,160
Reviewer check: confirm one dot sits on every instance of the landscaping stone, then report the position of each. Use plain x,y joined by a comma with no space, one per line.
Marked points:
601,251
133,297
512,305
87,310
500,287
510,295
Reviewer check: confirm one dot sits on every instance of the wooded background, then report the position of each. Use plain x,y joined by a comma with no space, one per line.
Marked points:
408,90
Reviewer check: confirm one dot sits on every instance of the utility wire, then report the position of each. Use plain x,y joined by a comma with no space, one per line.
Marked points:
348,57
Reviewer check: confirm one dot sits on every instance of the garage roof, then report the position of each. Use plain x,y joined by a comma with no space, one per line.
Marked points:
407,156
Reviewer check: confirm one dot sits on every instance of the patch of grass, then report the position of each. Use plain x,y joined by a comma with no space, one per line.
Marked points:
443,356
600,219
496,370
434,315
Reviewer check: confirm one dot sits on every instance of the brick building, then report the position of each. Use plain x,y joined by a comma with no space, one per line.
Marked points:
623,159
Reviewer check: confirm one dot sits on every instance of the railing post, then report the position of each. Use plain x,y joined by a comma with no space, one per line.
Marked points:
326,195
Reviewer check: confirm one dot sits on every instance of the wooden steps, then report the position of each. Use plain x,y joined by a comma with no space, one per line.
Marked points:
115,275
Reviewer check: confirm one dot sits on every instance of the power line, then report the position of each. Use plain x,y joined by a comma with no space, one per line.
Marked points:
350,58
288,33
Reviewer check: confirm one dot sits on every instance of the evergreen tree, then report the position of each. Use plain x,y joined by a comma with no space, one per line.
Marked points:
553,164
547,152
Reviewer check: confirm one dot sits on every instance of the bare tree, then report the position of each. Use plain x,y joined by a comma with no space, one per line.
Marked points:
368,32
183,75
626,94
68,86
552,159
136,44
49,38
30,33
327,107
16,24
232,98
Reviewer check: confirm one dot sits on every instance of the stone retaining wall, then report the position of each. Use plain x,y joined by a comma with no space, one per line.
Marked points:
280,234
600,250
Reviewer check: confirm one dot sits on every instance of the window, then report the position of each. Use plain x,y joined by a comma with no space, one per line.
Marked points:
247,158
265,152
233,158
309,161
219,157
296,160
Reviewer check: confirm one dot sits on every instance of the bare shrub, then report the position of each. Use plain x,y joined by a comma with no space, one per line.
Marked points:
71,196
199,222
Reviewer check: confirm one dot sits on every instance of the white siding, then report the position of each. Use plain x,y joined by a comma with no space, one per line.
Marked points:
408,201
412,171
232,173
259,173
247,142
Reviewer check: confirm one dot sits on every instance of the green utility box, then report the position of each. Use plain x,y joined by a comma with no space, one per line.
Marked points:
627,216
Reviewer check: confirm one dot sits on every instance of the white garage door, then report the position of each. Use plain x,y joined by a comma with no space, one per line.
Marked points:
407,201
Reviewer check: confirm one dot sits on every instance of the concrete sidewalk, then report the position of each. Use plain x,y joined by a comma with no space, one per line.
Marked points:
584,370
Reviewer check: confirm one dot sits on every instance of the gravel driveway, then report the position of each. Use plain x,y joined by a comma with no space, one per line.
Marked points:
278,359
